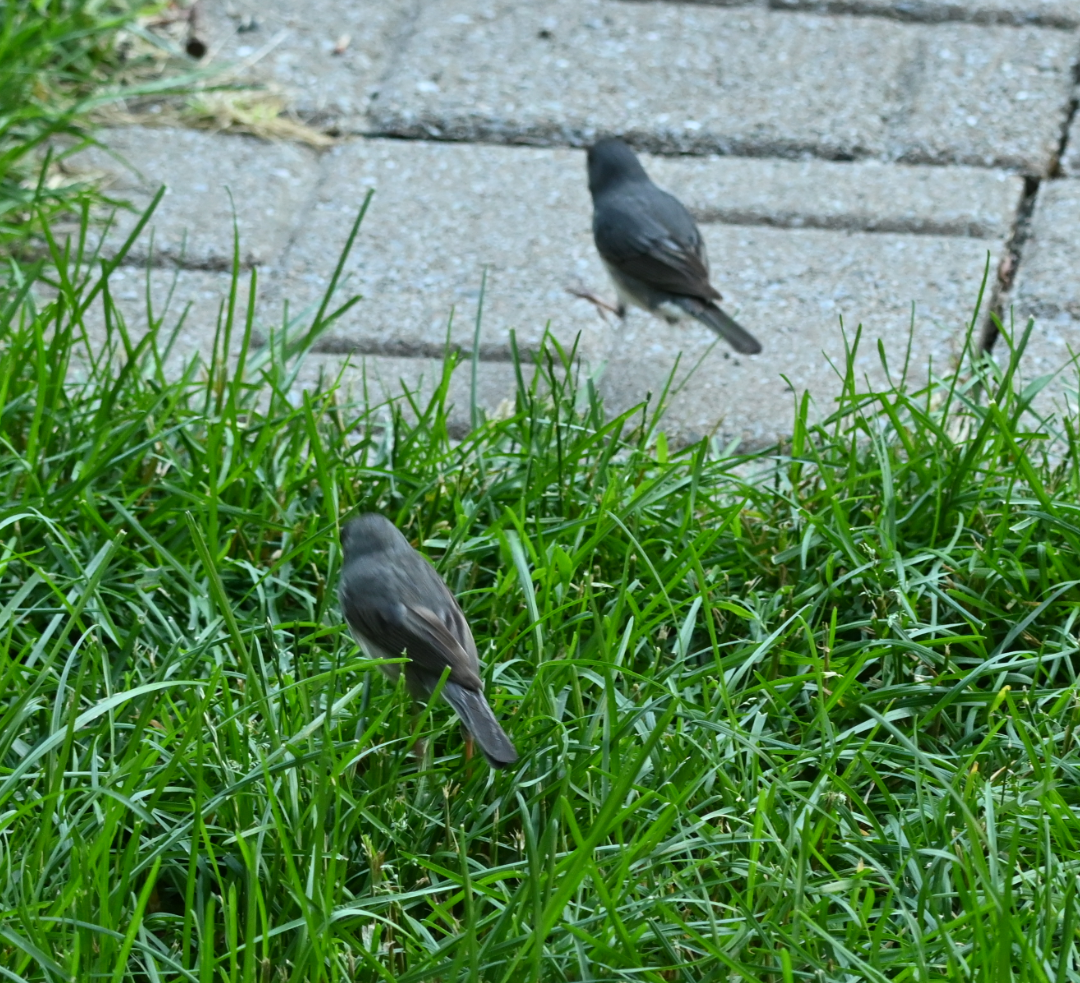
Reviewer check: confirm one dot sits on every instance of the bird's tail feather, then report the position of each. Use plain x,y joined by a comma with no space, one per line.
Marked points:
728,328
479,721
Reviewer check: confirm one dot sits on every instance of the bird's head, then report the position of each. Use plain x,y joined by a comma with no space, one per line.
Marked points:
370,533
612,162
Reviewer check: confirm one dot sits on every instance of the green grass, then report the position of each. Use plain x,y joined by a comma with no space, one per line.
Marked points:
53,56
59,62
808,714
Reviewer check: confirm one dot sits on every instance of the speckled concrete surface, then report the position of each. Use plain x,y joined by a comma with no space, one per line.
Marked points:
326,58
375,380
692,78
792,289
188,303
674,76
443,213
1051,358
208,178
1048,289
1047,13
846,158
987,96
274,187
1048,282
868,196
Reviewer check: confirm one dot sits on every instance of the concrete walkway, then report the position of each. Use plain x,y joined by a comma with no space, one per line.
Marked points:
845,158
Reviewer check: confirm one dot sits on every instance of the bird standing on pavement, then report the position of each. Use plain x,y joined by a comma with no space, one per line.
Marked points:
396,604
651,246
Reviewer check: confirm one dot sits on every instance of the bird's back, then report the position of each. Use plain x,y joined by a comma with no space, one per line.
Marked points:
398,583
644,232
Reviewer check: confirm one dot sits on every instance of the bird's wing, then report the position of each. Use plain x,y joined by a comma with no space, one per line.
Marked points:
652,238
404,624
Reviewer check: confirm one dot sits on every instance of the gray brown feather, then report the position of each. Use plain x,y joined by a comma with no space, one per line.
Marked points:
651,245
727,327
396,604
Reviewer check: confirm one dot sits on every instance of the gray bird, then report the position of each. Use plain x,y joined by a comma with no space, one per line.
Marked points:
396,604
651,246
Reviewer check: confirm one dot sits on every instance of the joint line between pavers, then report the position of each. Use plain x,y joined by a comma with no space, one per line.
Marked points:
1022,229
931,12
842,223
494,353
1014,253
1070,116
419,130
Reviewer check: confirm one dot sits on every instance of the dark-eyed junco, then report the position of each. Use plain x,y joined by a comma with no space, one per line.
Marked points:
396,604
651,246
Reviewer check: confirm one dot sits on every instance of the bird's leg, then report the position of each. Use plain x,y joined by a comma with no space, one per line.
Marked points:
469,751
418,746
599,303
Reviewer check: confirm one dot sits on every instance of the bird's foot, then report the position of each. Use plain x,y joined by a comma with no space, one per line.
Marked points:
599,303
418,750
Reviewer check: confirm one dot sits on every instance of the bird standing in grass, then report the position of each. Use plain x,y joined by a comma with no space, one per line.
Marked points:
651,246
396,604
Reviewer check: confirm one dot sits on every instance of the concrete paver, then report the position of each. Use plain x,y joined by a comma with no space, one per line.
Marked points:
1048,289
375,379
270,184
676,77
326,57
188,302
1052,350
191,302
693,78
964,201
443,212
987,95
1046,13
790,288
1048,280
806,136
